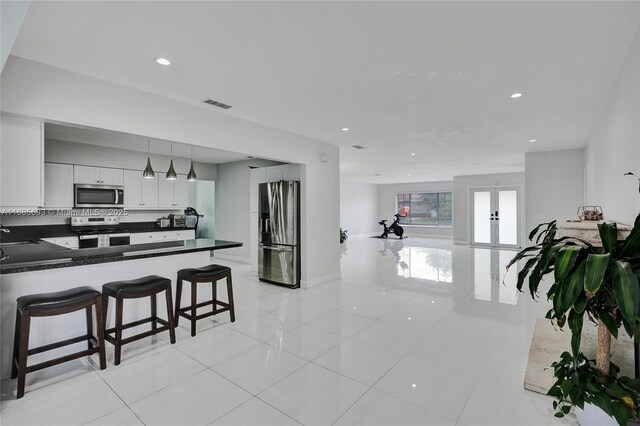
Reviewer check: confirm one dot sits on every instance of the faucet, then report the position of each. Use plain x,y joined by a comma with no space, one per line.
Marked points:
3,229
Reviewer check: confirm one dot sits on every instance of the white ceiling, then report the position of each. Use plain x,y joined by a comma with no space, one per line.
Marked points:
100,137
432,78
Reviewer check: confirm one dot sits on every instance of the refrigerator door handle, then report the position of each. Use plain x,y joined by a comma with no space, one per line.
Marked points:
276,248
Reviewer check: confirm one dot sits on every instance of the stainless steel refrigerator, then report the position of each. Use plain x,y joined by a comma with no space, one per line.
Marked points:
279,233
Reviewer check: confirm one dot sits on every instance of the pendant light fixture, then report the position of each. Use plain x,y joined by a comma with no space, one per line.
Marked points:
171,173
148,171
191,177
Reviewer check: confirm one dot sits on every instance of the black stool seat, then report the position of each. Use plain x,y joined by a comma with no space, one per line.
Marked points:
142,285
57,300
52,304
203,273
206,274
148,286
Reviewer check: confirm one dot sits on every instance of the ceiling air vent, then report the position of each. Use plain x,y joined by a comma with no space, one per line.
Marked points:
358,146
216,103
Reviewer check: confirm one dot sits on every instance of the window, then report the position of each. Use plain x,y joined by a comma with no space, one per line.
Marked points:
426,208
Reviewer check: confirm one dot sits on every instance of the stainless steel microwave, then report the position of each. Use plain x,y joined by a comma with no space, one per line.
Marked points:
105,196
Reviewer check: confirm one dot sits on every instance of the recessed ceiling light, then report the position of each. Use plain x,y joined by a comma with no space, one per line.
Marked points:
413,153
345,129
532,140
163,61
516,95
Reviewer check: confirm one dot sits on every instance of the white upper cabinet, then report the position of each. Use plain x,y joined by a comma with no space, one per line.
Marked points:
173,194
139,193
283,172
97,175
21,162
58,185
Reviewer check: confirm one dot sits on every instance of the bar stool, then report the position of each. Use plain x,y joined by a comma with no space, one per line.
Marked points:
206,274
51,304
147,286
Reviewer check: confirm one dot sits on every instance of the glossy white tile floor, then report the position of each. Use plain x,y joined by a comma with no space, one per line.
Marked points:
417,332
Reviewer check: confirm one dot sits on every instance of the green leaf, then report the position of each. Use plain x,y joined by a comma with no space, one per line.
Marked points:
535,230
566,409
522,254
608,236
566,387
609,322
594,274
581,303
559,414
621,413
631,244
565,259
571,288
522,275
603,401
575,324
626,290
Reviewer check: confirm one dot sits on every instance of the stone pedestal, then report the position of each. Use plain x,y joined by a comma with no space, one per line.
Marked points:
587,231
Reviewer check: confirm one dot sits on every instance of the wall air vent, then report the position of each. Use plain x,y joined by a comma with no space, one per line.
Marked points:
358,146
216,103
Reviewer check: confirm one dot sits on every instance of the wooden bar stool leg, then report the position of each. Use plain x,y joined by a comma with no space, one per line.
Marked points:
154,312
194,302
22,356
89,326
101,328
118,344
232,311
178,297
16,346
170,319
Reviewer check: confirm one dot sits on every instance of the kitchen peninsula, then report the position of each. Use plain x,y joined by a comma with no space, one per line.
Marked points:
37,266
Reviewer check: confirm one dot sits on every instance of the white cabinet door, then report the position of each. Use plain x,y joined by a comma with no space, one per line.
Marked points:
132,189
165,193
108,176
188,234
166,235
173,194
181,192
86,174
274,174
58,185
21,162
141,238
149,196
291,172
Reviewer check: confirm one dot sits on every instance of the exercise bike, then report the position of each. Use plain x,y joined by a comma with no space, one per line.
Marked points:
395,226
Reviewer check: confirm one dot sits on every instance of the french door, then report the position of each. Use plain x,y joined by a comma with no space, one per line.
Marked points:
496,217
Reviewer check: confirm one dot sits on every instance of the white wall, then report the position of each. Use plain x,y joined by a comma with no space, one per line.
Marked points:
358,207
387,206
462,202
233,211
614,146
554,185
12,14
40,91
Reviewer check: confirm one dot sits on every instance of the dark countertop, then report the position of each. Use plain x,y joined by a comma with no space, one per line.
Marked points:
35,232
39,255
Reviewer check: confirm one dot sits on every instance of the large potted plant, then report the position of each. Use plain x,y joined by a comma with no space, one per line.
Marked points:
603,284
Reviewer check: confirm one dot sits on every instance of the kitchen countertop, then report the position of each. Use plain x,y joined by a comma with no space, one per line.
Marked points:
22,233
38,255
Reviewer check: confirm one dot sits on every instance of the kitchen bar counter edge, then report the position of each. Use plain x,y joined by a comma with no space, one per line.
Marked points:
79,257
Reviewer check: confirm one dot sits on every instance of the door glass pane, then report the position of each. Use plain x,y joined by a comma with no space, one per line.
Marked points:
508,214
481,215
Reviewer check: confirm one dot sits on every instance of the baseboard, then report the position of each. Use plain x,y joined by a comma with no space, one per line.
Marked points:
458,242
235,258
320,280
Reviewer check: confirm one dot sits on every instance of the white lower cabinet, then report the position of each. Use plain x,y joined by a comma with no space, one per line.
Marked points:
159,236
68,242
